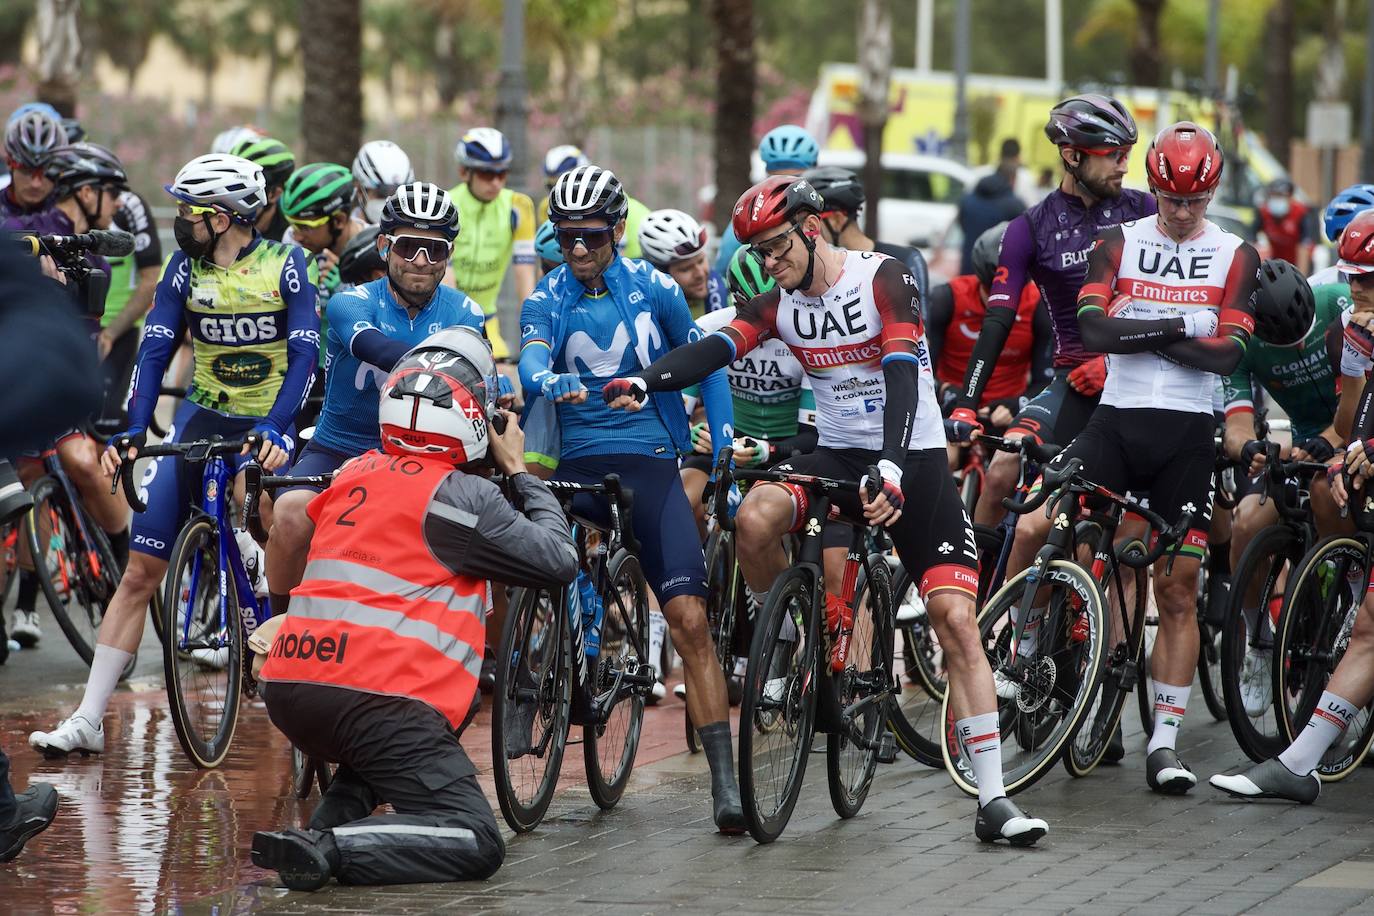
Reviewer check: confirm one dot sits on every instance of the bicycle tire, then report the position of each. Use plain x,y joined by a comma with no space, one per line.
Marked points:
722,580
1089,746
914,714
1313,632
63,566
196,552
1268,554
609,747
1208,646
849,767
1034,738
788,709
534,615
302,773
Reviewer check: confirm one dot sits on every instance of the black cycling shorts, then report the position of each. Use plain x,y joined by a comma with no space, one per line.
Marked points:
1167,456
933,537
1056,414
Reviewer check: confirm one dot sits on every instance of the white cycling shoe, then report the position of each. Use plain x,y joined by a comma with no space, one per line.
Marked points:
1256,682
73,734
218,659
1006,688
25,630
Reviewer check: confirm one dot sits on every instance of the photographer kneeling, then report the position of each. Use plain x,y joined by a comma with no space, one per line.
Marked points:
376,665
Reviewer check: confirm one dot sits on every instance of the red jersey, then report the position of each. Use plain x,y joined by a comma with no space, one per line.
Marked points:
1012,374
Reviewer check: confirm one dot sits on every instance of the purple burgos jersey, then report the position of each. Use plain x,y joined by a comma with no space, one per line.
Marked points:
1049,244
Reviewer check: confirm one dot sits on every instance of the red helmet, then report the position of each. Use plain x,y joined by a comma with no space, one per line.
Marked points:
772,202
1183,159
1356,247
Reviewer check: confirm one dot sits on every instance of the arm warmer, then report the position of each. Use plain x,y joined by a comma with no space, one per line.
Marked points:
302,343
685,366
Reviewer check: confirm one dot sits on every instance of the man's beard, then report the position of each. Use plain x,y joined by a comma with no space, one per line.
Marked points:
1101,188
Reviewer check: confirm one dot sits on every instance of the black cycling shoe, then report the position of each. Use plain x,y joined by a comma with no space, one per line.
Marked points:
1000,819
35,809
486,680
1270,779
299,857
1167,774
1116,747
728,812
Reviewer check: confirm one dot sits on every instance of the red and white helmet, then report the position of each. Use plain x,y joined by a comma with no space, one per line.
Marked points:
435,401
1356,246
1183,159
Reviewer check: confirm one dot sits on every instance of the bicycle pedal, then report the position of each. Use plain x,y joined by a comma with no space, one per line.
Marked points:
887,748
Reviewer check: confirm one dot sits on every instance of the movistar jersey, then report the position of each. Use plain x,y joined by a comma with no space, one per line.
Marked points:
717,297
1300,376
255,336
348,422
492,236
770,391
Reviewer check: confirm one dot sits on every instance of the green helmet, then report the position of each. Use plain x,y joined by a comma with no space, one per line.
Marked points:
746,277
276,161
315,190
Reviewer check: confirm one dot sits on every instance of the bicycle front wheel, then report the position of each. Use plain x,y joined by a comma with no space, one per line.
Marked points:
1055,685
202,654
609,746
778,711
77,578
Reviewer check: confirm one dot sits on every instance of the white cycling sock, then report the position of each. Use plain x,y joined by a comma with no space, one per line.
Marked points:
1327,724
106,667
1031,636
658,626
1171,702
982,740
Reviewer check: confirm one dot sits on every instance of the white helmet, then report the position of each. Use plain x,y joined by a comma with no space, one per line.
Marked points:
382,165
588,192
562,159
420,205
230,182
226,140
435,401
484,148
669,236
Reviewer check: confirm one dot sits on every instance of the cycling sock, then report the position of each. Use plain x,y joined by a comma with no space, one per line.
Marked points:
1171,702
28,591
119,545
982,739
658,626
1029,638
279,603
106,667
1328,721
720,757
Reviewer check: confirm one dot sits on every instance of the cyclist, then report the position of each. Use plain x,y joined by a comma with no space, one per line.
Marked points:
1338,214
559,159
250,309
277,163
30,139
226,140
785,150
546,246
87,183
498,227
1291,774
853,320
596,317
676,244
379,169
361,262
844,202
1169,298
956,311
370,327
133,278
427,534
1288,358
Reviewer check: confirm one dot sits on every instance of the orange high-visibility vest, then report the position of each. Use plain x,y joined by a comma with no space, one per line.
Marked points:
375,610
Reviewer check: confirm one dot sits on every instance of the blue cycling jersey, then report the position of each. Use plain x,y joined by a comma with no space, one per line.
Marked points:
348,422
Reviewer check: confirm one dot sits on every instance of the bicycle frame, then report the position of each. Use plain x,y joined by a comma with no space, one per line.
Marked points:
52,467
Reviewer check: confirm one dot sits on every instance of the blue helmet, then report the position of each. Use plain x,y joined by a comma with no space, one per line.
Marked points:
788,147
27,107
484,148
1343,208
546,244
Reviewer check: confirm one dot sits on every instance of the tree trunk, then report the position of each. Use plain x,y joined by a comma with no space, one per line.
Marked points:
1146,56
332,104
875,76
13,26
59,54
1278,80
733,21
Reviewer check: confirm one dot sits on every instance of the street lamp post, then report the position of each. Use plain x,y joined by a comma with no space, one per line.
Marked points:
511,103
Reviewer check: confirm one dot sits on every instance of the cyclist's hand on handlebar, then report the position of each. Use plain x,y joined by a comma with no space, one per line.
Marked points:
625,393
886,507
1089,378
750,452
1357,460
131,439
1315,449
1252,457
962,427
1001,416
275,450
1336,478
701,439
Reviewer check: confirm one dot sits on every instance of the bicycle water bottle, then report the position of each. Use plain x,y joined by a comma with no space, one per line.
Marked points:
592,612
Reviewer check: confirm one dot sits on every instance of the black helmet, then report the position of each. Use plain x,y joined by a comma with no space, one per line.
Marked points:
1284,305
840,188
1089,121
987,248
360,258
79,164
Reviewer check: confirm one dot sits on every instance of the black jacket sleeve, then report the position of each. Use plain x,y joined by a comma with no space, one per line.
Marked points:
939,313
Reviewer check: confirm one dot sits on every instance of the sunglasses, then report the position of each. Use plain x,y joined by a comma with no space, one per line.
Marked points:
1182,203
591,239
309,223
687,249
1118,154
19,168
492,174
186,211
773,248
1354,279
408,248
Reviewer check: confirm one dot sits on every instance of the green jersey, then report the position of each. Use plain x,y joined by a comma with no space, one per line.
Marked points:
1301,377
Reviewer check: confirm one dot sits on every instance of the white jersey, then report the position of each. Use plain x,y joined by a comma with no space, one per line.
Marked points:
1157,277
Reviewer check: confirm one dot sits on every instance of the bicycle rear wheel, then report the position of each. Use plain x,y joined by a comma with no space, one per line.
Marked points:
77,577
918,663
778,711
531,703
722,582
1209,646
203,696
609,747
1056,684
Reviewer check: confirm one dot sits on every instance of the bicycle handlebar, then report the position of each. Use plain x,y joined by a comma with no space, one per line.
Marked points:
720,501
1039,452
254,482
1050,482
197,451
1170,539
